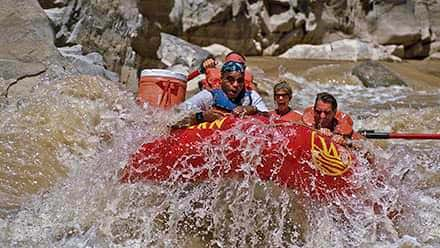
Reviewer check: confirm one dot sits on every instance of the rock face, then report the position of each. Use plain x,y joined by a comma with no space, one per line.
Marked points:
107,27
411,23
127,33
26,40
173,51
28,54
396,25
90,64
373,74
435,56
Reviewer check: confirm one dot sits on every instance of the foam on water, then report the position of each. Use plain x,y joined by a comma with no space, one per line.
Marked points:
62,147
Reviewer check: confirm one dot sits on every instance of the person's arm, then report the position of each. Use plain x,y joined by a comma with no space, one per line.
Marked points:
201,106
245,110
258,103
196,104
209,115
200,101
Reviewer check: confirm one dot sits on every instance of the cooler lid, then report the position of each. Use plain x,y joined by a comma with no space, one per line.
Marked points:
163,73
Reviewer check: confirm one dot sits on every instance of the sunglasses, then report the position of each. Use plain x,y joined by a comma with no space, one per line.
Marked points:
282,95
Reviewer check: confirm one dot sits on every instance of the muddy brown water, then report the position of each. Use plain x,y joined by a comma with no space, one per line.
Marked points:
62,146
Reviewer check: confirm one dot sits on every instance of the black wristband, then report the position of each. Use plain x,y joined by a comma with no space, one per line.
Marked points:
199,117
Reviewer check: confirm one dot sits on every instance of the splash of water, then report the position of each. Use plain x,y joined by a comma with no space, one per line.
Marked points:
62,147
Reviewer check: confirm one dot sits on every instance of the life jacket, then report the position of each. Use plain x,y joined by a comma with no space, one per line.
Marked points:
292,115
343,124
213,79
222,101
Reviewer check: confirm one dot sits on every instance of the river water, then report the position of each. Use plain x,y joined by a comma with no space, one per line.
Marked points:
62,146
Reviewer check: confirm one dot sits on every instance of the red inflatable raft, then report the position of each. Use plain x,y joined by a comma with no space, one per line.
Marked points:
288,154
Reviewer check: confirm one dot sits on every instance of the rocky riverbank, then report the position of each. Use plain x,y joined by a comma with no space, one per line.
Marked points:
115,39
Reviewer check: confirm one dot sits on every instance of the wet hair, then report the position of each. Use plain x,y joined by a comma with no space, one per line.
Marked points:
327,98
283,85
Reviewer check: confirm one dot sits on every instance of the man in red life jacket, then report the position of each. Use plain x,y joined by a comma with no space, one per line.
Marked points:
282,94
325,117
231,98
213,74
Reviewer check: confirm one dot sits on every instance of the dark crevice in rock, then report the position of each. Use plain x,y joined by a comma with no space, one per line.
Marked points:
276,8
21,78
47,4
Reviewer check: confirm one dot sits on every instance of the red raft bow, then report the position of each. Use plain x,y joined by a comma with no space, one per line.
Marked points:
288,154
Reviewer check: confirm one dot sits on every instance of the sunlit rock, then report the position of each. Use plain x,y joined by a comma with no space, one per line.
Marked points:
283,22
26,40
217,50
174,50
434,56
394,24
435,47
108,27
56,16
340,50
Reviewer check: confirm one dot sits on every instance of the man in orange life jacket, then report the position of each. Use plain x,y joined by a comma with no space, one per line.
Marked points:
325,117
231,98
282,94
213,74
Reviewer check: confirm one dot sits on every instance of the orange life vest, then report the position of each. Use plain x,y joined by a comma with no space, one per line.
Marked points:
343,124
292,115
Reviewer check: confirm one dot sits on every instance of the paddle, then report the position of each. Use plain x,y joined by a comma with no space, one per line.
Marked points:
372,134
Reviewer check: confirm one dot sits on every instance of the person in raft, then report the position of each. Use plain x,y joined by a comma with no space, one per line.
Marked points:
231,98
282,94
213,74
325,117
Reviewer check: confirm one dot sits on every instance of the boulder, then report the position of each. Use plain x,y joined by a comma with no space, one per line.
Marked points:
434,56
308,52
373,74
173,51
396,50
89,64
347,49
56,16
195,14
105,26
26,39
434,18
217,50
394,24
283,22
434,47
234,24
421,12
